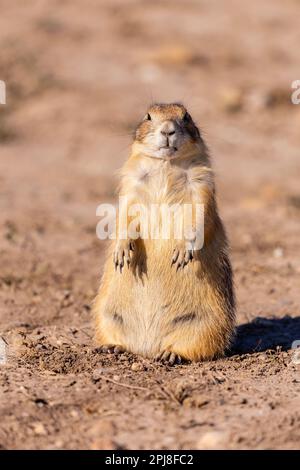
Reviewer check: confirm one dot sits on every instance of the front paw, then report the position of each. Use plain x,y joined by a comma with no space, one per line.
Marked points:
182,255
168,357
123,253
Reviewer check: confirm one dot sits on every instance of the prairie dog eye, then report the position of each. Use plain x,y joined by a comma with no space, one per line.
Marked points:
186,117
147,117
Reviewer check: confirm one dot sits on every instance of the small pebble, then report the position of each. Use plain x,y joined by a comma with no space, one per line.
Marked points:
212,440
39,429
74,413
98,373
137,366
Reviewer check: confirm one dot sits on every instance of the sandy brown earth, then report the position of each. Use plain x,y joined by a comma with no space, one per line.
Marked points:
79,75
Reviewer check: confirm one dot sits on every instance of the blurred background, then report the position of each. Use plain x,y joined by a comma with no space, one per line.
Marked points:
79,76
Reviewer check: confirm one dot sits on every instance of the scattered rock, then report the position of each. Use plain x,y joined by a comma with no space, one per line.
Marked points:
214,440
263,357
40,402
39,429
97,374
74,413
137,366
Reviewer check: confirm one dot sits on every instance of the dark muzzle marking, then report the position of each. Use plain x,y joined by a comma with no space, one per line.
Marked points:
187,317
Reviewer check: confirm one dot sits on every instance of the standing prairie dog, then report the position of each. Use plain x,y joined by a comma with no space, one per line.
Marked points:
164,298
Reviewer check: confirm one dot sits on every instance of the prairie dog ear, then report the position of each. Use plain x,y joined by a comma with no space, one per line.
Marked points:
191,127
187,117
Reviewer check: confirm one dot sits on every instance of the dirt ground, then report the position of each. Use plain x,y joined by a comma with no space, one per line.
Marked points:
79,75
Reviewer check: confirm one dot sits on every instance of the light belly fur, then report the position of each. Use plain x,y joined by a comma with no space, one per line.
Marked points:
149,306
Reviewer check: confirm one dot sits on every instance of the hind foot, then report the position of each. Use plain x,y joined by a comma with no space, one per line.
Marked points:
168,357
112,349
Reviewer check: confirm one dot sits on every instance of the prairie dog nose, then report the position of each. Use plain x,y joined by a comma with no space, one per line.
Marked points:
168,129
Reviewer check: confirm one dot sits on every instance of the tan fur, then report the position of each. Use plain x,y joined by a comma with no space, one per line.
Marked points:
151,307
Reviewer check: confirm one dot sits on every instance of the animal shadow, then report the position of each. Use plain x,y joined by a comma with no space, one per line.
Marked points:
262,334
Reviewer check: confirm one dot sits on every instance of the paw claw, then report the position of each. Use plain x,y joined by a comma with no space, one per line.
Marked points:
168,357
181,257
122,254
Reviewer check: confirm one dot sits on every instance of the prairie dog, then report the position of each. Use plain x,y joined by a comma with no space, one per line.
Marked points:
164,298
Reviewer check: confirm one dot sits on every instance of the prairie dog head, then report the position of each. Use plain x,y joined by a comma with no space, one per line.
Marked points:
167,131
